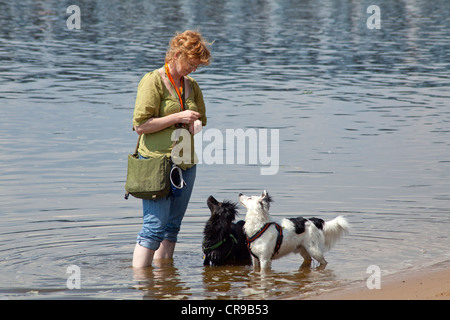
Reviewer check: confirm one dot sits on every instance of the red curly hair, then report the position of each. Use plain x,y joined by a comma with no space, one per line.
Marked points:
191,45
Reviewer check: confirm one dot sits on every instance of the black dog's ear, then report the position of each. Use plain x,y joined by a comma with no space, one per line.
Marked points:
212,204
230,210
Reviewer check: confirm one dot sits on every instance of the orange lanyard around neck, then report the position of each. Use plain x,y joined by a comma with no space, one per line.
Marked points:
175,87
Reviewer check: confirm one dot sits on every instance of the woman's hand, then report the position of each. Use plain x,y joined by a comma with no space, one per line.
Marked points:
158,124
187,116
195,127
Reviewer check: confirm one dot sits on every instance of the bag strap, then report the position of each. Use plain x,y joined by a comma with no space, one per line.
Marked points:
137,145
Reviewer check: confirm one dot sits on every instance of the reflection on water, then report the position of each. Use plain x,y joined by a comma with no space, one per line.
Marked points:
161,282
362,114
165,281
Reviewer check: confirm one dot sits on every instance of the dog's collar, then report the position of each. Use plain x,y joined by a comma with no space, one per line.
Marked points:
207,250
260,233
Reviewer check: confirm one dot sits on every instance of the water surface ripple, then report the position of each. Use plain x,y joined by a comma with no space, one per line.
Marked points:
363,117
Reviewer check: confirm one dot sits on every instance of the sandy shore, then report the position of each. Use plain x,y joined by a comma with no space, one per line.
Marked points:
430,283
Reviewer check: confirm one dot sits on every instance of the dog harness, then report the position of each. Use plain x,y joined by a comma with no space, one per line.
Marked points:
207,250
260,233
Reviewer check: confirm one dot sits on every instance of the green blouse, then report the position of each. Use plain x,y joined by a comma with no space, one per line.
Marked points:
157,98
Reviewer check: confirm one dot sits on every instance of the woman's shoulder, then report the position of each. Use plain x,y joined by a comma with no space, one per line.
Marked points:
151,78
194,84
192,80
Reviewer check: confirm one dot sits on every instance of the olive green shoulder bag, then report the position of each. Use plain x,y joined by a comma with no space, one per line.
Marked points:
147,178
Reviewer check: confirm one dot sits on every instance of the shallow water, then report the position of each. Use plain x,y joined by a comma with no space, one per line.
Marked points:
363,119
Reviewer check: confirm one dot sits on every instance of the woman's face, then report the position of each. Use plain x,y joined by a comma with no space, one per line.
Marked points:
184,66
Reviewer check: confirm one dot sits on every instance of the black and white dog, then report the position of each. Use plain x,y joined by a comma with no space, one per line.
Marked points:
224,242
267,240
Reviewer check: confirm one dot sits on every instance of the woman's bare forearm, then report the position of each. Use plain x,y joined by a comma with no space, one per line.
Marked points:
157,124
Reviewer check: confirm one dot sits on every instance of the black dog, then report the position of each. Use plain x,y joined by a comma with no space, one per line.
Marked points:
224,242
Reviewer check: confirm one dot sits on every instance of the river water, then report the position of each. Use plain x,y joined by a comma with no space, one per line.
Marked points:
362,118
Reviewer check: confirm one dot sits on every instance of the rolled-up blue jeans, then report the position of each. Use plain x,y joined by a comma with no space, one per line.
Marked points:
163,216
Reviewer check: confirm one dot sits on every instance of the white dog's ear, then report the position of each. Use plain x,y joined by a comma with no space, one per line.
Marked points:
265,196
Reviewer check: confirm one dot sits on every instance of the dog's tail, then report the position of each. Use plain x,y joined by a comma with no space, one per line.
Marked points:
334,230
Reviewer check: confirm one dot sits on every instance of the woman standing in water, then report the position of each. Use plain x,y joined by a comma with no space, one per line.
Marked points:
159,110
